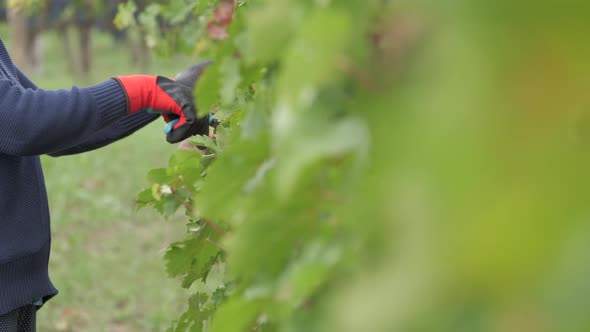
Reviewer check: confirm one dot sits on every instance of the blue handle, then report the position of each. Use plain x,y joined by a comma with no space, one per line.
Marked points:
170,125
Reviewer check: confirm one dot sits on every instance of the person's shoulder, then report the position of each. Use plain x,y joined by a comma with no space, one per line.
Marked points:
6,63
3,51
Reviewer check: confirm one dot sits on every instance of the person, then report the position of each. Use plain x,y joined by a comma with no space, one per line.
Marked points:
36,122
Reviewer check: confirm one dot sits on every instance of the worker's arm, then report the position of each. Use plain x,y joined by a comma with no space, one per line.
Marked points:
37,121
120,129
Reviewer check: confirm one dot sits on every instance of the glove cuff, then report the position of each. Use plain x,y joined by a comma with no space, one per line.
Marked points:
110,101
138,91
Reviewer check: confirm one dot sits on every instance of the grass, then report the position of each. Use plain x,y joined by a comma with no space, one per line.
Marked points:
106,256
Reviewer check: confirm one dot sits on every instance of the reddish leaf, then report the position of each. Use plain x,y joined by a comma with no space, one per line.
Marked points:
224,12
216,32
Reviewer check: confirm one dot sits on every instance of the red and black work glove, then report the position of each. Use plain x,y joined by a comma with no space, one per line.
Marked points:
163,95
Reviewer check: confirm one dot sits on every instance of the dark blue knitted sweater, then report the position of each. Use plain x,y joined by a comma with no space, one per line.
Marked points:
34,122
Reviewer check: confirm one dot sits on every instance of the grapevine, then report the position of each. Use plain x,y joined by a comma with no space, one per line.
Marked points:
361,174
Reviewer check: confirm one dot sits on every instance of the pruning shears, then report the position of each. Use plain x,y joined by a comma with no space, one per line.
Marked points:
170,125
189,78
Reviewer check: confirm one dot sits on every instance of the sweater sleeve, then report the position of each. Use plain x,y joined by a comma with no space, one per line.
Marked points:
35,122
120,129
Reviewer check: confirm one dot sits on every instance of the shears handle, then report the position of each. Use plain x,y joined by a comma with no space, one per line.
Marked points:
170,125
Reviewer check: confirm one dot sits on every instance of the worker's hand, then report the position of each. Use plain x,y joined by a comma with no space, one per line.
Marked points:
164,95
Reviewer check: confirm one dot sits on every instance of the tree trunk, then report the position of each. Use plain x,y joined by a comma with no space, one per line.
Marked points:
140,54
71,60
85,47
19,38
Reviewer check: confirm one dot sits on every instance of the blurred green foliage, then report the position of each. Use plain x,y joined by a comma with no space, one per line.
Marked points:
386,166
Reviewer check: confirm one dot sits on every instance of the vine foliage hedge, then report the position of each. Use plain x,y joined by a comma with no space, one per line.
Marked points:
379,166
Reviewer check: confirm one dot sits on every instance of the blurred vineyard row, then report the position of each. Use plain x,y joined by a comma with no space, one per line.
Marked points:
74,21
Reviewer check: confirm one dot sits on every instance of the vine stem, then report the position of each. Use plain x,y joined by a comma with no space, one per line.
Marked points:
214,227
215,244
183,202
348,67
190,208
185,185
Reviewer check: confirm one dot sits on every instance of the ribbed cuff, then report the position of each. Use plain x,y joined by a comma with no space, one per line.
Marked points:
110,101
25,280
136,120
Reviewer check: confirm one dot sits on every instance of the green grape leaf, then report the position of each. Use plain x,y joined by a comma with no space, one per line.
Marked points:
193,258
312,58
230,71
208,88
308,272
235,315
313,139
183,159
204,5
195,316
185,166
206,141
159,176
223,137
221,193
126,15
282,17
219,295
167,206
145,198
